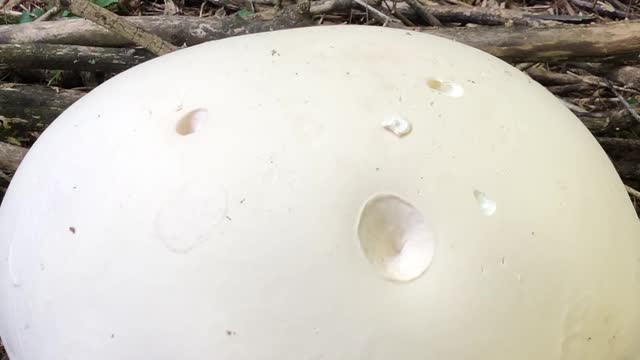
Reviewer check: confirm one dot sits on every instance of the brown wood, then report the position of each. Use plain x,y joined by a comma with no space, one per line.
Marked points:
424,13
70,57
118,25
11,156
178,30
37,104
509,43
549,43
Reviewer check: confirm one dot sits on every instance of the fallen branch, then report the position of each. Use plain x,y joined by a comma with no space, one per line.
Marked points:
549,43
483,16
424,13
602,10
626,152
70,57
48,14
384,19
628,169
11,156
11,13
626,104
118,25
633,192
512,44
176,29
599,122
37,104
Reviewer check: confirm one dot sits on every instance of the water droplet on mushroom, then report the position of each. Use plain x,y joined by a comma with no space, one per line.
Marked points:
487,206
397,125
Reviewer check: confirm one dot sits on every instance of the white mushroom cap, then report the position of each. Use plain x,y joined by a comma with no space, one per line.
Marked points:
336,192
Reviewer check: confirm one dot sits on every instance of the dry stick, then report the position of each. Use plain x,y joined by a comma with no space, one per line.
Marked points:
633,192
10,4
11,13
602,10
599,122
483,16
423,13
4,176
541,44
188,30
38,105
624,102
118,25
70,57
550,43
48,14
377,13
11,156
402,18
329,6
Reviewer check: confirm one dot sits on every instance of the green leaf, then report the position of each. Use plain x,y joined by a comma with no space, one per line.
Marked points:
66,13
37,12
244,13
13,141
25,18
104,3
632,100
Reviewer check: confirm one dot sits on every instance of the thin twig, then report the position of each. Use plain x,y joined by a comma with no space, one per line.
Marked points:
48,14
378,14
624,102
9,5
118,25
402,18
423,13
633,192
4,176
10,13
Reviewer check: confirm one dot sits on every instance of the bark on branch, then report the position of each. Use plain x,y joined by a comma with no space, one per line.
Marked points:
38,104
509,43
550,43
70,57
118,25
178,30
11,156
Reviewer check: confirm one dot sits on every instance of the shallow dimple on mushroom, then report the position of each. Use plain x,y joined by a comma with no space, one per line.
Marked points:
487,206
192,122
446,87
395,237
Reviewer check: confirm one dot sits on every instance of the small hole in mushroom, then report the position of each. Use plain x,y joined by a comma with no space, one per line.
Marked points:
487,206
448,88
192,122
395,238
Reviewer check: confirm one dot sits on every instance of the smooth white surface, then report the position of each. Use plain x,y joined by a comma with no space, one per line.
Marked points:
121,238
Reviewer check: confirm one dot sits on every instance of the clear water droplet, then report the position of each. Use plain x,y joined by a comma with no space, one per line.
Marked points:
397,125
487,206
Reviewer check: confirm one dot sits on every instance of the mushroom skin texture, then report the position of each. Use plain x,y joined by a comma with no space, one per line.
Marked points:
333,192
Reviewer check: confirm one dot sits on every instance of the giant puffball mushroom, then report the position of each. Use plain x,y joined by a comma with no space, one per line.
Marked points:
334,192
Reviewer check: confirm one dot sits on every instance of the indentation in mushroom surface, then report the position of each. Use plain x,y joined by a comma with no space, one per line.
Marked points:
446,87
192,122
395,237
